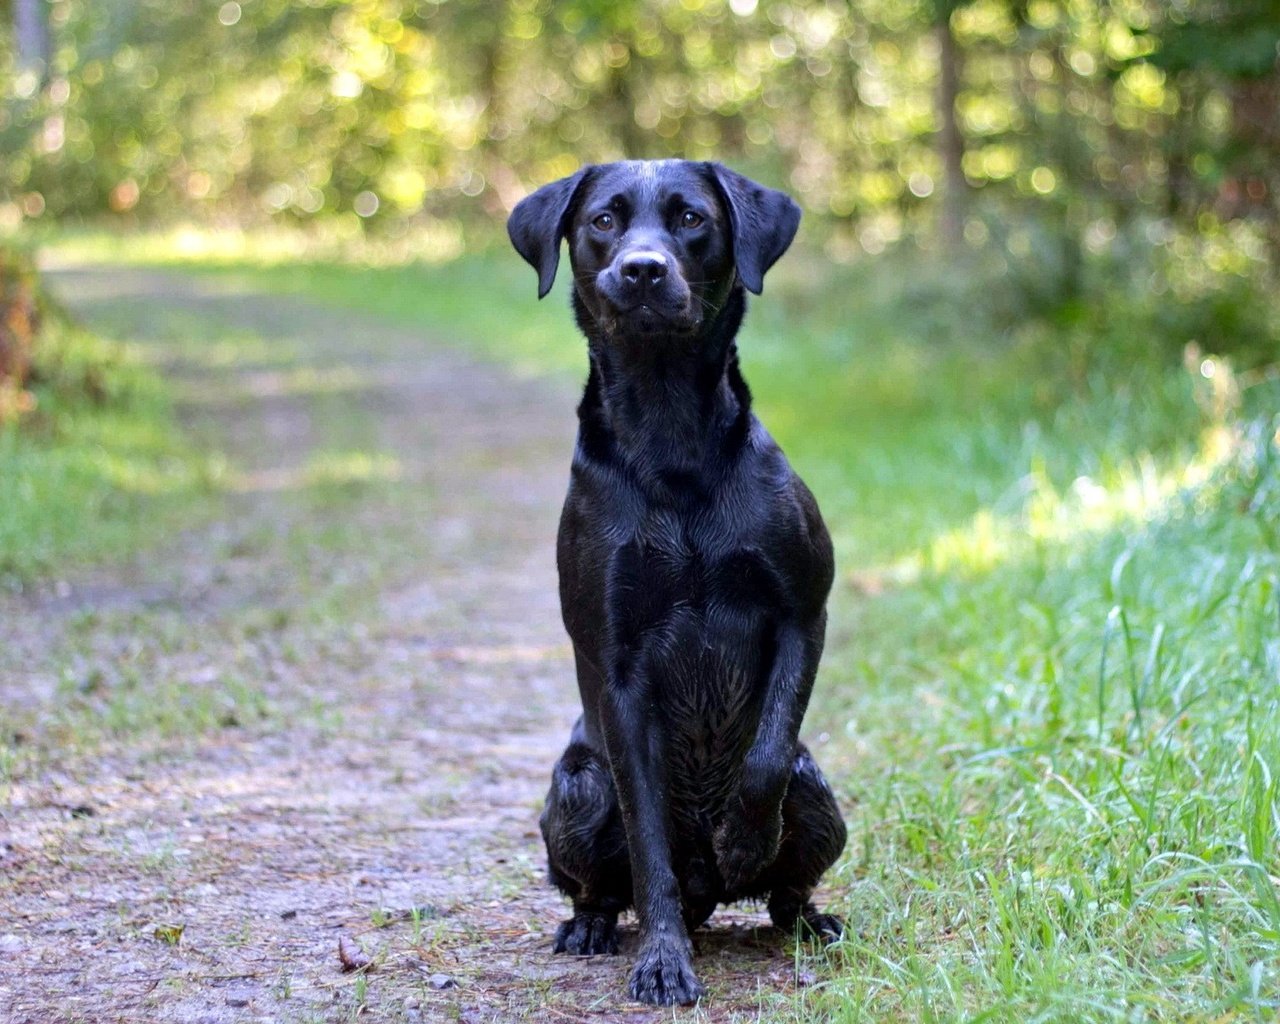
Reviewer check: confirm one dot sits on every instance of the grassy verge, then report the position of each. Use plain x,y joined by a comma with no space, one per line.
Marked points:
1064,760
97,467
1050,694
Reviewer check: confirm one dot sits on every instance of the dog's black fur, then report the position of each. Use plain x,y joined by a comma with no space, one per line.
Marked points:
694,571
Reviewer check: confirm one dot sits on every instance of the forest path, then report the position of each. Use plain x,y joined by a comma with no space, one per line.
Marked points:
327,711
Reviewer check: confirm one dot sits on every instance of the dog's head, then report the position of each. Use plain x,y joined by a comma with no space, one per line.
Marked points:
656,246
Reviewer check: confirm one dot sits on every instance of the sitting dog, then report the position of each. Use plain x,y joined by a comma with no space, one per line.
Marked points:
694,572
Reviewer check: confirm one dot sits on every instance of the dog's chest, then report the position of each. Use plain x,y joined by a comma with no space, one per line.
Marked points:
678,572
697,614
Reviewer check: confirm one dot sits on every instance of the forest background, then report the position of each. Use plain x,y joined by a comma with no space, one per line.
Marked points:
1080,146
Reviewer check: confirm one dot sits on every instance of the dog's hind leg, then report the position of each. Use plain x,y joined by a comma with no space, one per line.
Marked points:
586,850
813,835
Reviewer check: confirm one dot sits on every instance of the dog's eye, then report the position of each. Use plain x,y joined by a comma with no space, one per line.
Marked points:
689,219
604,222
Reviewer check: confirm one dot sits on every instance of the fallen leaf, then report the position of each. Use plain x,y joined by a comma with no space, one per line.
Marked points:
351,956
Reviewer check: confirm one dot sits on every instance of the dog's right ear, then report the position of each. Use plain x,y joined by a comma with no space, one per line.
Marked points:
538,223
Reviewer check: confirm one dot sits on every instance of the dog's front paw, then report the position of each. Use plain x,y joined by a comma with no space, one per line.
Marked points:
743,851
664,976
587,935
825,928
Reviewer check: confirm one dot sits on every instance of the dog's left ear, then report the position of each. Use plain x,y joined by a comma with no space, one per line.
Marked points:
764,222
538,222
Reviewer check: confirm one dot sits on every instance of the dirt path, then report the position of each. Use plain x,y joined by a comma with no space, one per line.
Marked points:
327,712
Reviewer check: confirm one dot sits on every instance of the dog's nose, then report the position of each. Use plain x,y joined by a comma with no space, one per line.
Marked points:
645,267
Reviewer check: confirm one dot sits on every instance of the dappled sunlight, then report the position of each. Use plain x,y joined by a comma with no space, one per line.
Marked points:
299,381
323,469
230,352
141,473
435,650
1128,496
1070,727
1132,494
427,241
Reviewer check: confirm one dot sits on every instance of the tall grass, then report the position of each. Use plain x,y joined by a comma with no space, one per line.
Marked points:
1064,767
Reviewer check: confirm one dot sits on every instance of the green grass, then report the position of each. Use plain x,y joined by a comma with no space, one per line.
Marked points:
1064,765
98,467
1051,695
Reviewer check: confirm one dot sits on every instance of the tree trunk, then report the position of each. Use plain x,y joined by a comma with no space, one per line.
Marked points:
19,322
633,141
950,138
1252,188
504,186
31,33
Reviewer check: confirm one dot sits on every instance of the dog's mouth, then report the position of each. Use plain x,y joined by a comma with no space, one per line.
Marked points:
646,319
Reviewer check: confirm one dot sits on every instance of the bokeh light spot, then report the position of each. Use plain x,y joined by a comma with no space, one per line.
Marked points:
1043,180
920,184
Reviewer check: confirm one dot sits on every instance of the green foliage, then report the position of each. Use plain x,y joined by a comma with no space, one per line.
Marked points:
1119,136
393,109
1238,39
96,465
1133,300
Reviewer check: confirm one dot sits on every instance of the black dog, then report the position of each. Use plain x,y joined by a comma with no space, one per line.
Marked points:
694,571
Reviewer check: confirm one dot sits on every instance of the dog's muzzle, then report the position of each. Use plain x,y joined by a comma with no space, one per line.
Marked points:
647,292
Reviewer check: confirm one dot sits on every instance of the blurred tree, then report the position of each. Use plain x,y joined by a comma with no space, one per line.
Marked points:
31,36
950,136
1050,127
1235,47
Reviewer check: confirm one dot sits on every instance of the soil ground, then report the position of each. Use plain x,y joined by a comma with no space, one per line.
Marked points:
320,713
